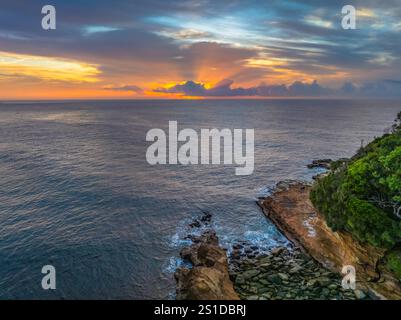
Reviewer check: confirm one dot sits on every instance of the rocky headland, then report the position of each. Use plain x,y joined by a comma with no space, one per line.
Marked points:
290,208
248,273
310,267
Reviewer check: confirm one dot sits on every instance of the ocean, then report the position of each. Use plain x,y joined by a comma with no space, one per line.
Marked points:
76,191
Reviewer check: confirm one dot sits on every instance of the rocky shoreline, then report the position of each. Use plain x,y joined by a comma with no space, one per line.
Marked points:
293,213
285,274
308,268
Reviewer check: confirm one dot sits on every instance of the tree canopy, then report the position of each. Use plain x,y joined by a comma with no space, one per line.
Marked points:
363,196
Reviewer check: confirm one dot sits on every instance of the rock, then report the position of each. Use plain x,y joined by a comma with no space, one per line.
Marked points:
253,290
250,274
207,217
202,283
195,224
323,281
322,163
277,251
186,253
263,290
295,269
239,280
359,294
274,278
283,276
210,237
265,260
312,283
209,278
325,292
267,295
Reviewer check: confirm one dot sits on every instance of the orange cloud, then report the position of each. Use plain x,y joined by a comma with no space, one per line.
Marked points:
46,68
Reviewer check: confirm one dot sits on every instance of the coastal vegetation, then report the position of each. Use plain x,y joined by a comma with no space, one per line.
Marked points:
362,195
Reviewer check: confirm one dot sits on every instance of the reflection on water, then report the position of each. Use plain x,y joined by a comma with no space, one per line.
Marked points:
76,190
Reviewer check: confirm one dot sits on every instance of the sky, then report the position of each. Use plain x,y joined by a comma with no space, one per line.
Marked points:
154,49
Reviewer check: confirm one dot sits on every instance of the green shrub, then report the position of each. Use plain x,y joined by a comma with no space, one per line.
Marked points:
394,263
363,196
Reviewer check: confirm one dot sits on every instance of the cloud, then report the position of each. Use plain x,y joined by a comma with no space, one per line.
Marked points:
299,88
393,81
45,68
224,89
186,34
158,41
189,88
89,30
386,88
383,89
125,88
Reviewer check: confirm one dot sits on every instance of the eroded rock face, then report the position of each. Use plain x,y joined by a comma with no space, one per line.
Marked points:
292,211
209,278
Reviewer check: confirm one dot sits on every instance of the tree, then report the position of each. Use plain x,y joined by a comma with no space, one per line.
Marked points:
364,196
397,123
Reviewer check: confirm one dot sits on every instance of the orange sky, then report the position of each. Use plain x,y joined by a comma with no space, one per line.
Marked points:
160,49
26,76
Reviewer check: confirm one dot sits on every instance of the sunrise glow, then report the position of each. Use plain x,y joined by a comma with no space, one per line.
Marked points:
200,50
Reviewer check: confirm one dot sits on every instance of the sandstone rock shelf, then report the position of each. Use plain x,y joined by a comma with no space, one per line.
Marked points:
291,210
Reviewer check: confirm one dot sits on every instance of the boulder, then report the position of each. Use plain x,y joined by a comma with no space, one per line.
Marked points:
209,278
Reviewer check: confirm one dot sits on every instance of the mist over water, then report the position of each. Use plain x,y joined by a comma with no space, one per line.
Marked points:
76,190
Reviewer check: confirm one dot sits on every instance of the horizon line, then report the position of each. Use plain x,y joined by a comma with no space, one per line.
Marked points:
196,99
